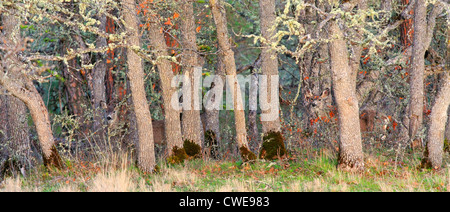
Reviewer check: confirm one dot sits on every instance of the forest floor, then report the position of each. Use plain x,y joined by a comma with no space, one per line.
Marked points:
294,173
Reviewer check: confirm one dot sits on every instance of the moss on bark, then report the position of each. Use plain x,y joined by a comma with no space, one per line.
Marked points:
192,149
178,156
273,146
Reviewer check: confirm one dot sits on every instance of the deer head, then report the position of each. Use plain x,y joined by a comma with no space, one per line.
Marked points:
159,129
110,113
318,105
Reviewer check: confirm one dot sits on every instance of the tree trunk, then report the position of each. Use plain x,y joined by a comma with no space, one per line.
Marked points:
215,99
254,137
437,132
220,20
23,88
438,118
191,111
14,129
99,90
145,147
14,134
423,33
447,128
350,146
73,87
417,69
406,34
171,114
269,67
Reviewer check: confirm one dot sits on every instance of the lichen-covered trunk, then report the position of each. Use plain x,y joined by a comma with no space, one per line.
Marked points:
253,132
14,133
39,113
438,118
192,129
417,69
269,66
21,87
41,119
438,131
213,99
14,129
350,146
171,114
99,89
145,144
220,20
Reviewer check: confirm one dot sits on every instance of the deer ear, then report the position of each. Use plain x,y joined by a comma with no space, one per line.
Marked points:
325,93
103,104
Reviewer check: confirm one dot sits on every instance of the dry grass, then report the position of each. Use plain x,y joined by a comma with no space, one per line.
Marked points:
117,174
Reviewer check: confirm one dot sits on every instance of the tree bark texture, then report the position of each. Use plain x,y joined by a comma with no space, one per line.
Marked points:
438,118
423,33
219,15
171,114
21,87
269,61
350,146
145,147
192,129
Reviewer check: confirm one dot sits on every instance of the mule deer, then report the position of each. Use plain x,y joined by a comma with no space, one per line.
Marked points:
318,104
321,105
159,129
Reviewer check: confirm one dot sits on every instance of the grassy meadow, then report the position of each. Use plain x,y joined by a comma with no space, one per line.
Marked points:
295,173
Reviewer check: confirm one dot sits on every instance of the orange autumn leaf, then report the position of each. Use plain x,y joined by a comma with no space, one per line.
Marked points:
176,15
394,124
108,61
331,114
198,29
168,22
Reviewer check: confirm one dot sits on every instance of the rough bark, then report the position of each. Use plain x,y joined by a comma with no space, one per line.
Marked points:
350,146
438,118
269,63
417,69
437,132
423,31
21,87
14,134
253,132
191,114
98,89
171,114
14,129
447,128
212,98
145,144
219,15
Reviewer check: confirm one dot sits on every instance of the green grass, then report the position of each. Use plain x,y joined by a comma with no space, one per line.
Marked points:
317,173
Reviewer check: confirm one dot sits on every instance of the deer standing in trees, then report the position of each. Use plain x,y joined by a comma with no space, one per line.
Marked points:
322,109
